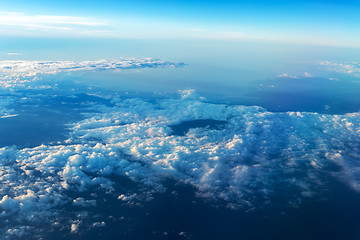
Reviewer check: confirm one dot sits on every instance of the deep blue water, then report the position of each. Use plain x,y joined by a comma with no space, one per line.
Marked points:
179,214
44,117
182,128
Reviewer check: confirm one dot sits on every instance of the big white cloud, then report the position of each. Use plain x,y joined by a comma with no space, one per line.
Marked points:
25,74
255,156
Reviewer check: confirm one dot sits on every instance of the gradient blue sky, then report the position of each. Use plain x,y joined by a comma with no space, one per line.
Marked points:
319,22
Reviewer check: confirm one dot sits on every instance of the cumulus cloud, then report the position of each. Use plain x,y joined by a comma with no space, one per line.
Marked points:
348,68
255,156
25,74
285,75
36,67
304,75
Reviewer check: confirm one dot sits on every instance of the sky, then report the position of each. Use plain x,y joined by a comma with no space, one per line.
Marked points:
318,22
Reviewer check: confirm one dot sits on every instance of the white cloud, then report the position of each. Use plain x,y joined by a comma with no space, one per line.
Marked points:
347,68
39,67
257,155
12,54
99,224
45,21
8,115
285,75
304,75
75,226
12,22
25,74
308,75
84,203
242,164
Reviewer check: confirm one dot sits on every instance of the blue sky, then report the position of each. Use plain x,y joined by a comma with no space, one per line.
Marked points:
318,22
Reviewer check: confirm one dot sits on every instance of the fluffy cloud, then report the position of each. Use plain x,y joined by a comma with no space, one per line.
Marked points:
349,68
255,156
305,75
39,67
26,74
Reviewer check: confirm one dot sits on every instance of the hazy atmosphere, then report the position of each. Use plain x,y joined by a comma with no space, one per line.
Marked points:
180,120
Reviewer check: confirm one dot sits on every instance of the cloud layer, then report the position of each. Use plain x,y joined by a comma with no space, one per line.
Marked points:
36,67
256,155
349,68
25,74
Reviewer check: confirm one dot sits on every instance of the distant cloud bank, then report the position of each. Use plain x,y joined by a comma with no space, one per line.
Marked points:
16,74
349,68
35,67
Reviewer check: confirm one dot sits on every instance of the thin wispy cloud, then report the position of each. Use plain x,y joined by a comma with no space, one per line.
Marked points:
14,22
12,54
